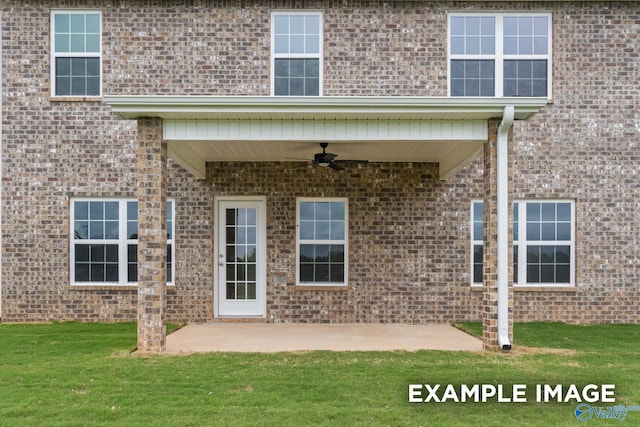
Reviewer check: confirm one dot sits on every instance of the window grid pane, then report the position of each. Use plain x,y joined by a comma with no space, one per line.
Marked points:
526,35
321,263
473,35
96,220
77,76
548,264
477,263
548,221
96,263
297,77
477,235
472,78
478,221
297,34
525,78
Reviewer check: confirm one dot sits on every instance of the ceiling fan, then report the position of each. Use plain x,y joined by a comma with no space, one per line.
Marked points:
325,159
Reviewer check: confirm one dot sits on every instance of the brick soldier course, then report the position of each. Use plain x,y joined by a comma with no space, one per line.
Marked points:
409,232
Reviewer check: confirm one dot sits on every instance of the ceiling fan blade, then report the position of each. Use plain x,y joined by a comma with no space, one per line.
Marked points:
336,166
324,157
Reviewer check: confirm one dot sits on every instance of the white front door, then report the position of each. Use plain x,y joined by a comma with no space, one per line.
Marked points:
240,257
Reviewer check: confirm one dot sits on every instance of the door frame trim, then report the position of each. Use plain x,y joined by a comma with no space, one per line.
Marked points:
261,268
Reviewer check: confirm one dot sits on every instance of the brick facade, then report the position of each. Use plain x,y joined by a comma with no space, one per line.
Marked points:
409,233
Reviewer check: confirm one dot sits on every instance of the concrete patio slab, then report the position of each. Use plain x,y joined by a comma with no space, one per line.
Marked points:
271,338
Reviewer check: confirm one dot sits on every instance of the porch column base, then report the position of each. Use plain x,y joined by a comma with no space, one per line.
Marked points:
152,236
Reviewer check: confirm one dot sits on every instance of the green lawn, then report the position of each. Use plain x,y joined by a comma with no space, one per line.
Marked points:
83,374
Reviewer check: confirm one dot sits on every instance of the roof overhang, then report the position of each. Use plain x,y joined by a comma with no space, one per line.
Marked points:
199,129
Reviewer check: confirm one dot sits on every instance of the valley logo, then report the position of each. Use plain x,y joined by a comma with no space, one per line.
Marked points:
584,412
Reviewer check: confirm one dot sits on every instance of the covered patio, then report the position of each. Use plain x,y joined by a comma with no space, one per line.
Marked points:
194,130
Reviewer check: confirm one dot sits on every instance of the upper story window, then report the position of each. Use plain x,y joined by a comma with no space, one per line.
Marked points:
543,242
500,55
296,53
322,257
76,53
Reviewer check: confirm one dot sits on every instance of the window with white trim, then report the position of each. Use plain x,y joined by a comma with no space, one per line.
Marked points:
76,40
543,243
104,242
296,52
322,235
500,55
477,241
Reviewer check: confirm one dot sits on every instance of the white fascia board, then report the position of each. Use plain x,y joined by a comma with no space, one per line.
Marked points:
319,108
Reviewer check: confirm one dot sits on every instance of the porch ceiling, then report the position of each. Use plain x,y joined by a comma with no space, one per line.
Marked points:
199,129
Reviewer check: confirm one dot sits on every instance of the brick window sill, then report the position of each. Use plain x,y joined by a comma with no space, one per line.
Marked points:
320,288
170,288
523,288
75,98
545,289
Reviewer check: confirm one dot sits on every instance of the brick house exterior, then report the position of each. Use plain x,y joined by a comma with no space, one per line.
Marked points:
188,66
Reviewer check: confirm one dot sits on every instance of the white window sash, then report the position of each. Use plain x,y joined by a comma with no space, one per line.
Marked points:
55,54
317,56
344,242
499,56
522,243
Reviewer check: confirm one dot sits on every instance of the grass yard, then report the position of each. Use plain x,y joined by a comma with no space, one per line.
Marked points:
73,374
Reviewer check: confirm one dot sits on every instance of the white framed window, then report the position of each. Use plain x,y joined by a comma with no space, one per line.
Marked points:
500,54
76,53
477,241
104,241
296,53
321,241
543,243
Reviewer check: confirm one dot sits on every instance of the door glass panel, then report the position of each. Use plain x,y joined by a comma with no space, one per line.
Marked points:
251,291
231,290
251,253
241,232
251,273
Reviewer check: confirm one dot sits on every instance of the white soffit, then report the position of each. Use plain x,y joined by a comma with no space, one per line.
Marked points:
200,129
